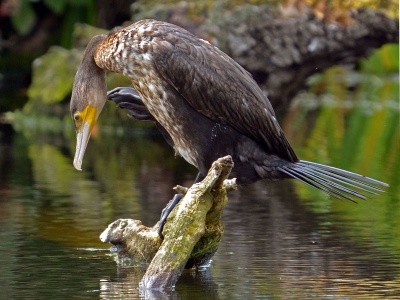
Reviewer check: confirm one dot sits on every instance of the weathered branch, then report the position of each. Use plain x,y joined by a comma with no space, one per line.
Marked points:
282,51
191,234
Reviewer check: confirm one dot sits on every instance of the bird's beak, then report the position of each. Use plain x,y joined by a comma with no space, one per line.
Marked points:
89,94
84,129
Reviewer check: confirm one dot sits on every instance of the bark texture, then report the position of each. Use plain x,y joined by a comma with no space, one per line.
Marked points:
191,234
283,50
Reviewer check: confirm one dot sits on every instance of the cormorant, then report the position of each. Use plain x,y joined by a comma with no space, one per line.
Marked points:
203,102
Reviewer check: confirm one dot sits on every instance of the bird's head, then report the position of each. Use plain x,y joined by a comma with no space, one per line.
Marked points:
89,95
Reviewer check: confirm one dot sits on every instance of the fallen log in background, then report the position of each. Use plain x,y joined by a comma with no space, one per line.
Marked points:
191,234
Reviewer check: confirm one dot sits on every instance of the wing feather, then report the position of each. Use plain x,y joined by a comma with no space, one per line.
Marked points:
218,87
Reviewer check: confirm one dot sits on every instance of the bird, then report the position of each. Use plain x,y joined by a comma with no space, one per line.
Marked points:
203,102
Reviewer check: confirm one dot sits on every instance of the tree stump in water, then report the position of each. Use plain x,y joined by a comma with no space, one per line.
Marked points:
191,234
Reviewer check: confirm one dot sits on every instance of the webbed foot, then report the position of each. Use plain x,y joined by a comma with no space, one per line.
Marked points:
127,98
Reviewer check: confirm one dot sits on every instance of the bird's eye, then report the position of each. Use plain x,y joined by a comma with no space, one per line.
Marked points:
76,117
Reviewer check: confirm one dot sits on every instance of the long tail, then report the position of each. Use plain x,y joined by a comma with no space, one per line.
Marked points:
333,181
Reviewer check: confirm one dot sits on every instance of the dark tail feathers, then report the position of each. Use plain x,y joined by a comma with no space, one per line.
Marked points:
333,181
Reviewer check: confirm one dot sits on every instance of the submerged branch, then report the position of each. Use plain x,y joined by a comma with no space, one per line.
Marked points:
191,234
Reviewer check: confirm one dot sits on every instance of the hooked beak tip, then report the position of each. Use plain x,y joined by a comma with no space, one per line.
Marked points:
78,164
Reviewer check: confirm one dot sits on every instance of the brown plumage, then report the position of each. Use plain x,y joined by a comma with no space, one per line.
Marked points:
162,59
206,104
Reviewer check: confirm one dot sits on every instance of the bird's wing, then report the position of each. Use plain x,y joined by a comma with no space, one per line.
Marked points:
218,87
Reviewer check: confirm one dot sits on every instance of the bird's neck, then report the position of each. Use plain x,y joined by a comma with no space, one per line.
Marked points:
126,52
90,80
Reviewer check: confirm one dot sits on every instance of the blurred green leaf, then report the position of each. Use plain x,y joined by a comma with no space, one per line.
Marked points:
25,19
53,75
57,6
383,60
81,2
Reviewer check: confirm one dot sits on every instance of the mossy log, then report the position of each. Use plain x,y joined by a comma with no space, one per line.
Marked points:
191,234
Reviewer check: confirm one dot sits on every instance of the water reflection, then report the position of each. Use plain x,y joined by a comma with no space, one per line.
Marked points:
282,240
280,249
301,253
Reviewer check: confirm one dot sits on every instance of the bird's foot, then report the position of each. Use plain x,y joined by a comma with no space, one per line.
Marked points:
127,98
166,211
124,94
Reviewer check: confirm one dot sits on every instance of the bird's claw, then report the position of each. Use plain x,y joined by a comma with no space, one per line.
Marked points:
124,94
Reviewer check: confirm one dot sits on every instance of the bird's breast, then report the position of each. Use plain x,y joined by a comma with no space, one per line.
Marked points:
172,111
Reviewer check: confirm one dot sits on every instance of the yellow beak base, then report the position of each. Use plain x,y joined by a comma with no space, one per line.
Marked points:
84,124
